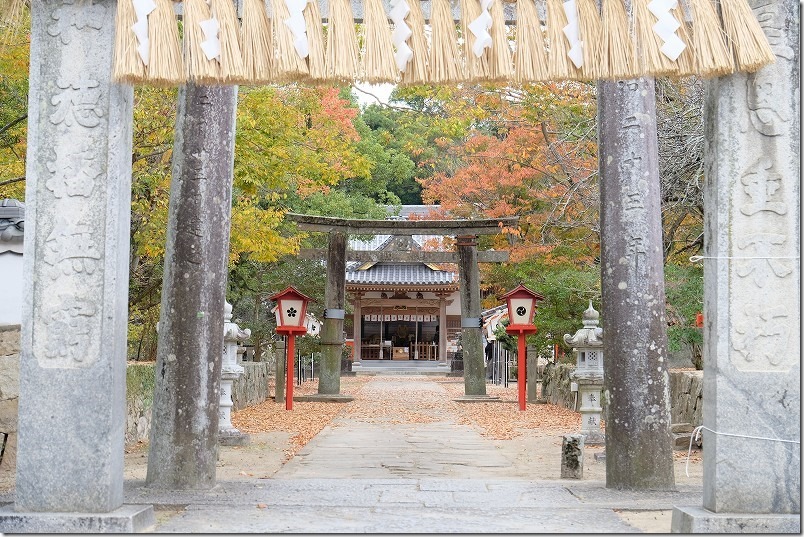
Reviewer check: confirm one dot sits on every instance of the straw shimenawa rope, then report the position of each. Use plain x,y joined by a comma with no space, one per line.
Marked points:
591,29
198,68
652,61
500,61
378,57
128,65
530,57
257,43
750,46
342,51
290,67
477,68
316,60
712,56
232,70
558,63
445,60
166,65
416,71
686,61
618,53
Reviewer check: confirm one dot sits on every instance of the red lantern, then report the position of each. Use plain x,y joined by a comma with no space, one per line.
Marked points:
521,309
291,311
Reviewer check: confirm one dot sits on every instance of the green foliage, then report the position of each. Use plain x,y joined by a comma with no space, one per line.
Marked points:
684,295
140,380
14,45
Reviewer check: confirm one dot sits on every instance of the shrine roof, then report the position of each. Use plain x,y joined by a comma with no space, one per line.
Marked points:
400,274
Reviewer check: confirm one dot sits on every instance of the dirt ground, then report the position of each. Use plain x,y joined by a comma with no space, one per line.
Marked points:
532,439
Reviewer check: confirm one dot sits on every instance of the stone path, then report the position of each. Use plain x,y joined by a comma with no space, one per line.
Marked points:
408,467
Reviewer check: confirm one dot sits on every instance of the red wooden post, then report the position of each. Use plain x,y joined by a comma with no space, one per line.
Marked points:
291,351
521,376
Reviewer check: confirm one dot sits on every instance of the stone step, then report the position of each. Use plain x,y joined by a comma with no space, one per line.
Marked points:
681,428
681,441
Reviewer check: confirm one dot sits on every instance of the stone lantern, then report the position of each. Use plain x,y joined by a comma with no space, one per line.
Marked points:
587,344
230,371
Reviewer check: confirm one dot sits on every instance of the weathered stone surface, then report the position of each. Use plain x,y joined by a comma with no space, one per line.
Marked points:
474,368
329,380
572,456
251,388
9,340
125,519
184,432
752,286
75,292
698,520
638,442
9,377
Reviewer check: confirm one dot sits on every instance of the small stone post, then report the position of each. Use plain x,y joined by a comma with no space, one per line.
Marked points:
587,344
752,293
572,456
228,435
72,410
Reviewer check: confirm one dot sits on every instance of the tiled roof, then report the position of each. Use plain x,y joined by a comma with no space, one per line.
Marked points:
412,274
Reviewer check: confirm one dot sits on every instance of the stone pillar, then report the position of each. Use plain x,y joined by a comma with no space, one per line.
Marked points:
279,389
184,431
72,411
639,451
752,301
442,330
572,450
474,378
228,435
532,371
358,329
329,382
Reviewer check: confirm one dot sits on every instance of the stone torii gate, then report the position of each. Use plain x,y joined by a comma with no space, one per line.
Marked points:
467,257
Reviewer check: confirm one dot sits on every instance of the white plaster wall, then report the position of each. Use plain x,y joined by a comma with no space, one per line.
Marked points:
10,288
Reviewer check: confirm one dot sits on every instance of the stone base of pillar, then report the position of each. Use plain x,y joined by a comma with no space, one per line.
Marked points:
596,438
233,437
125,519
477,398
700,520
324,398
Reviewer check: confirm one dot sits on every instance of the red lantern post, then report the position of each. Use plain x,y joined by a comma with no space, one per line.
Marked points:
521,309
291,310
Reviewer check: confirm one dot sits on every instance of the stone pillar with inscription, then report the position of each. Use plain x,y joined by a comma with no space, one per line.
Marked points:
184,430
752,294
72,410
639,453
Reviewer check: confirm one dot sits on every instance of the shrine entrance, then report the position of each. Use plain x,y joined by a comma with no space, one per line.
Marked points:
405,307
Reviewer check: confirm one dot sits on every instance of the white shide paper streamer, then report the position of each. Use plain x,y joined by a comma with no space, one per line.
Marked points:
211,45
401,33
297,26
480,29
140,28
666,27
573,33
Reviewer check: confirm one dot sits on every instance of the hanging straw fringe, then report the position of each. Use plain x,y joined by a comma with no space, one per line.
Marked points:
316,63
166,65
477,68
290,67
416,71
500,60
530,58
342,50
128,65
445,64
258,61
591,35
618,53
652,61
198,67
712,56
686,61
559,65
378,57
232,70
751,47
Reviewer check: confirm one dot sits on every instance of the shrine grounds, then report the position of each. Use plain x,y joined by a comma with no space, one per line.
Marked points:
404,457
